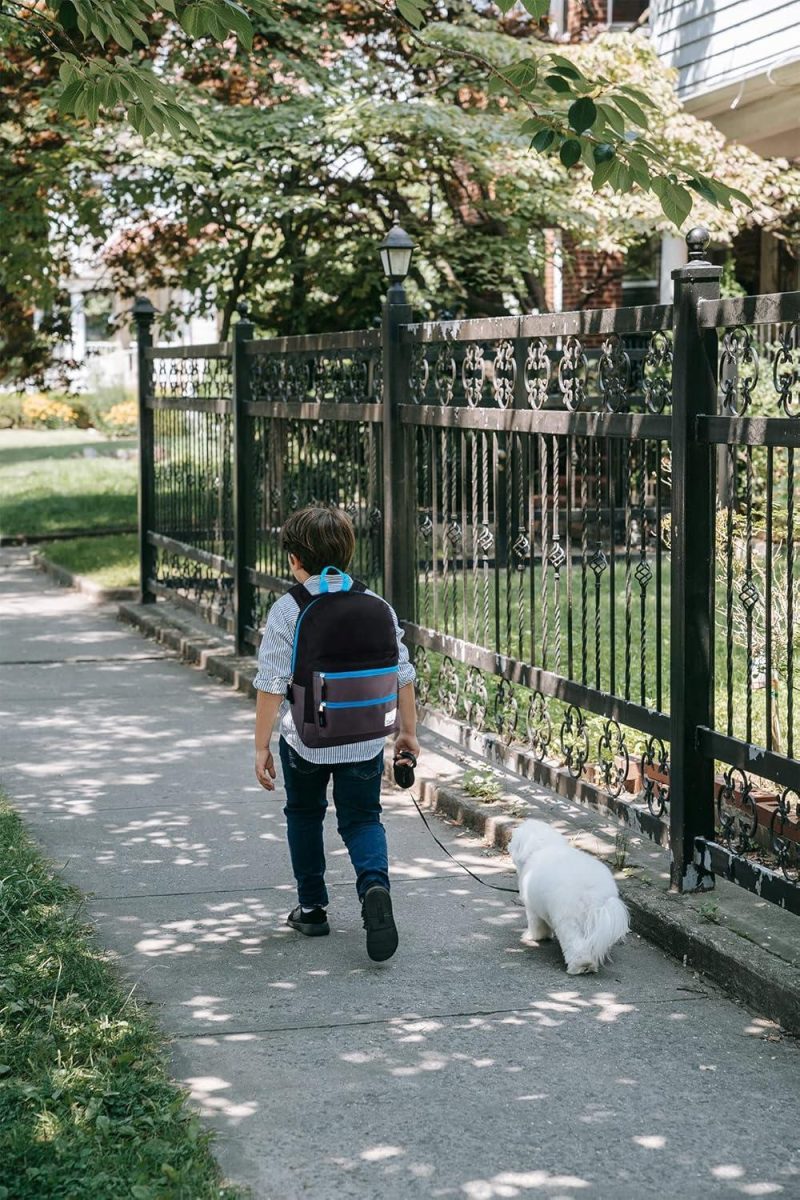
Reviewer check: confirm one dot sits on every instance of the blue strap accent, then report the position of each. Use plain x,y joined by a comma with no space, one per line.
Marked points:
359,674
360,703
347,582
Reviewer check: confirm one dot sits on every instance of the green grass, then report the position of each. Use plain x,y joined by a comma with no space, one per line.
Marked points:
111,562
86,1105
48,484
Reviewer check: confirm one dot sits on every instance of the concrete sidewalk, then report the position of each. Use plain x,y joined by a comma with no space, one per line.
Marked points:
468,1066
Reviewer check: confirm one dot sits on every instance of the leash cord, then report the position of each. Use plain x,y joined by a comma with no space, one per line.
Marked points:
494,886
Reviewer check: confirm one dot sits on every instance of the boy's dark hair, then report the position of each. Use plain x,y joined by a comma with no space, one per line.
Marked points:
319,538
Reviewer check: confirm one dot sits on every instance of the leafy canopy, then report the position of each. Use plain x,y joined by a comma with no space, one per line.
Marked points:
106,62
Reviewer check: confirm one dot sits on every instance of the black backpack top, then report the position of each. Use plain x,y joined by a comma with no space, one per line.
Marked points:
343,687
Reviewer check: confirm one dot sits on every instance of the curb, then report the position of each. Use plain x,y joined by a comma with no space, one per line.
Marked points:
766,983
61,535
98,594
200,649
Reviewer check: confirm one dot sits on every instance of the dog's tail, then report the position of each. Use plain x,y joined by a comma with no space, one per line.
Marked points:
606,925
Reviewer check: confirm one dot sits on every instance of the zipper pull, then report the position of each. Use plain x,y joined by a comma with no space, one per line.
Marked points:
290,690
322,691
321,715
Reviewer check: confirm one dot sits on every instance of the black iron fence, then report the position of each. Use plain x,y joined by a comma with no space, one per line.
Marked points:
586,522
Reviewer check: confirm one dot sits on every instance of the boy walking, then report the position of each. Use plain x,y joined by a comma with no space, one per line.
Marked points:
333,663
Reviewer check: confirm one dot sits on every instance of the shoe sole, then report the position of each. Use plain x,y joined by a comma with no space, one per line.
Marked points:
382,937
309,930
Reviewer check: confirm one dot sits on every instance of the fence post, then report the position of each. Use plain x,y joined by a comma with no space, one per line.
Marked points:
694,391
244,491
399,475
143,314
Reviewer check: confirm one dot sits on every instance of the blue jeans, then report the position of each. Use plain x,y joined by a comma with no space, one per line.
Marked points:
357,797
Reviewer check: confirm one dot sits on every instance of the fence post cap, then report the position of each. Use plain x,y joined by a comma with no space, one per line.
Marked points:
142,307
243,309
698,240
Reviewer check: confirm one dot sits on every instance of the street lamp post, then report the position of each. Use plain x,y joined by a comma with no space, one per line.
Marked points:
396,250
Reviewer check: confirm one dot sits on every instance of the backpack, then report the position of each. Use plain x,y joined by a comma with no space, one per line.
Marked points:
343,685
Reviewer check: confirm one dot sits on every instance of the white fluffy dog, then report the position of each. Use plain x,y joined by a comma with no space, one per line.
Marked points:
567,893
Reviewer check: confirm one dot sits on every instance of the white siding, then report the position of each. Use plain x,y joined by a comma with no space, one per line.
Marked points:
714,43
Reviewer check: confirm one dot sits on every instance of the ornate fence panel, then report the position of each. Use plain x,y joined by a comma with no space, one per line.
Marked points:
188,531
587,523
313,420
754,428
542,462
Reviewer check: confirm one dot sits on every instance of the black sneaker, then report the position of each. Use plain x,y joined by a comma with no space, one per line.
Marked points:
376,909
312,924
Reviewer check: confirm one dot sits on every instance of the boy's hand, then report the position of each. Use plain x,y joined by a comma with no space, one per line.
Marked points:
406,741
265,769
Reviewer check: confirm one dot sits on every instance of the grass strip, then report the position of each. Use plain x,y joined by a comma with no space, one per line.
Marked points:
57,482
86,1104
111,562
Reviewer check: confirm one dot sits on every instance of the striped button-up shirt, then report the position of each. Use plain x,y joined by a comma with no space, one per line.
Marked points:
275,668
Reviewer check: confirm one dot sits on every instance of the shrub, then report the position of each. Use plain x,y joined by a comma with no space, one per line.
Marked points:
46,412
10,411
122,418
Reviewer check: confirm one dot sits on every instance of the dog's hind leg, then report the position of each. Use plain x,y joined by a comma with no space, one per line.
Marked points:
538,930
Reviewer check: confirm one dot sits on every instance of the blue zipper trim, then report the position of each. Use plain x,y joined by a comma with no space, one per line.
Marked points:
297,630
360,703
358,674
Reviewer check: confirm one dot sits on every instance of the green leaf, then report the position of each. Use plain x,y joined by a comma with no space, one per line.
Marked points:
69,96
557,84
639,170
601,173
563,66
523,74
676,201
637,94
537,8
631,110
614,118
238,20
543,140
570,152
582,114
504,5
412,12
704,189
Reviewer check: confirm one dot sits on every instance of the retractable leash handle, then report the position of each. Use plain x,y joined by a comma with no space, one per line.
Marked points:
404,764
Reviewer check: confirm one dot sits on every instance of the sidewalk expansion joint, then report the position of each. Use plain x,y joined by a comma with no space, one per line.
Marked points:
398,1018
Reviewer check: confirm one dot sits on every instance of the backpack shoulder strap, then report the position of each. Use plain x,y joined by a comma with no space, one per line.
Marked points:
358,586
301,595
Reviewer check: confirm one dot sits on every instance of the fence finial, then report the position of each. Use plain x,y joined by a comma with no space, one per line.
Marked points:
243,309
697,240
142,307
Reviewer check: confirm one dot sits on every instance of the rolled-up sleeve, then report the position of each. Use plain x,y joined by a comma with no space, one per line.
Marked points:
406,672
275,652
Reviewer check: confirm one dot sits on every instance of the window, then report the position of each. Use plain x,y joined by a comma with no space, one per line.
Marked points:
98,308
640,279
624,13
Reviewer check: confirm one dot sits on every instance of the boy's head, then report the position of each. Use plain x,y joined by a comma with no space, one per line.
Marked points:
318,538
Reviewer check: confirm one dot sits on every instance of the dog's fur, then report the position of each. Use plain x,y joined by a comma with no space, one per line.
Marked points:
569,894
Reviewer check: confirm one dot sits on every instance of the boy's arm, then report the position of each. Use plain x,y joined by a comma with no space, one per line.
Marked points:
407,735
274,669
267,705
